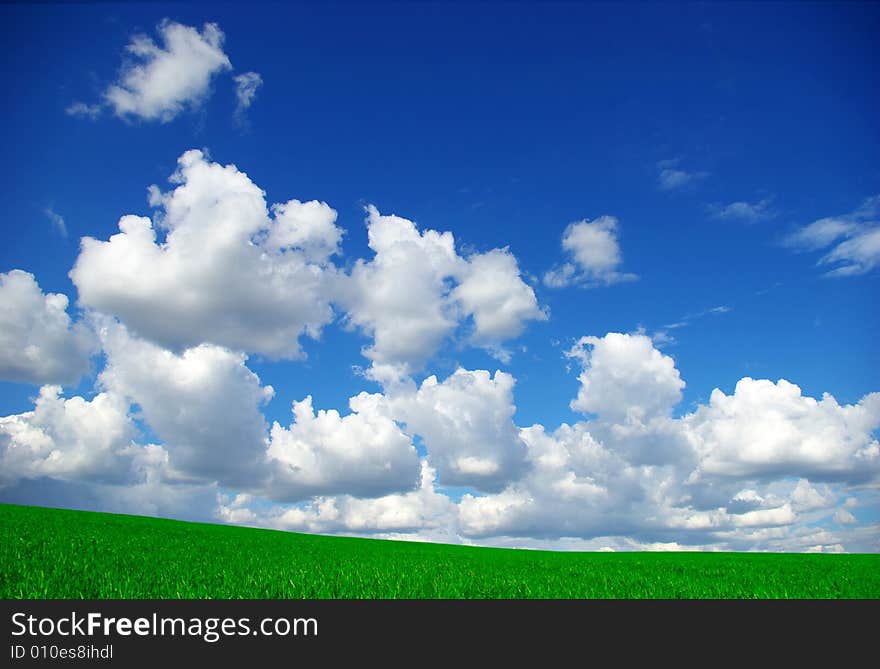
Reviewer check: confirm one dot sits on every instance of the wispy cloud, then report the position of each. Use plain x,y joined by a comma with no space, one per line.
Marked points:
746,212
57,221
851,241
83,110
690,318
662,336
246,87
672,176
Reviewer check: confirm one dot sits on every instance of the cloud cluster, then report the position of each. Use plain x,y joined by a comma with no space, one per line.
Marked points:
637,478
38,341
721,475
754,469
594,252
216,265
175,423
850,242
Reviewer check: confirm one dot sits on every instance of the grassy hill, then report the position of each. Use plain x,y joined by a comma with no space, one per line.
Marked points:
53,553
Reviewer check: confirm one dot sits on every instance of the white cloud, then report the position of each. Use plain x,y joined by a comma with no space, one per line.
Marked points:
852,241
671,177
57,221
467,425
690,318
363,454
826,548
595,255
625,378
410,515
416,290
308,226
748,212
83,110
203,404
844,517
67,439
857,255
635,472
768,429
808,497
225,273
38,342
399,297
145,495
161,81
575,488
764,467
492,290
757,469
246,86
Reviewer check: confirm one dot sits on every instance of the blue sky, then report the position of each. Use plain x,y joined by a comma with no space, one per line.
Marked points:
714,134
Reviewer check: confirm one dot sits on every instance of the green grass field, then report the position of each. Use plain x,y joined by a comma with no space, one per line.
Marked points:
52,553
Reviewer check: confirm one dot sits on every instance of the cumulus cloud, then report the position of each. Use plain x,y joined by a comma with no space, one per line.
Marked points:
809,497
765,467
214,266
399,297
851,242
747,212
491,290
246,86
180,300
767,429
159,81
595,255
203,404
309,227
363,454
68,439
625,378
575,487
466,422
412,515
416,289
635,471
38,341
